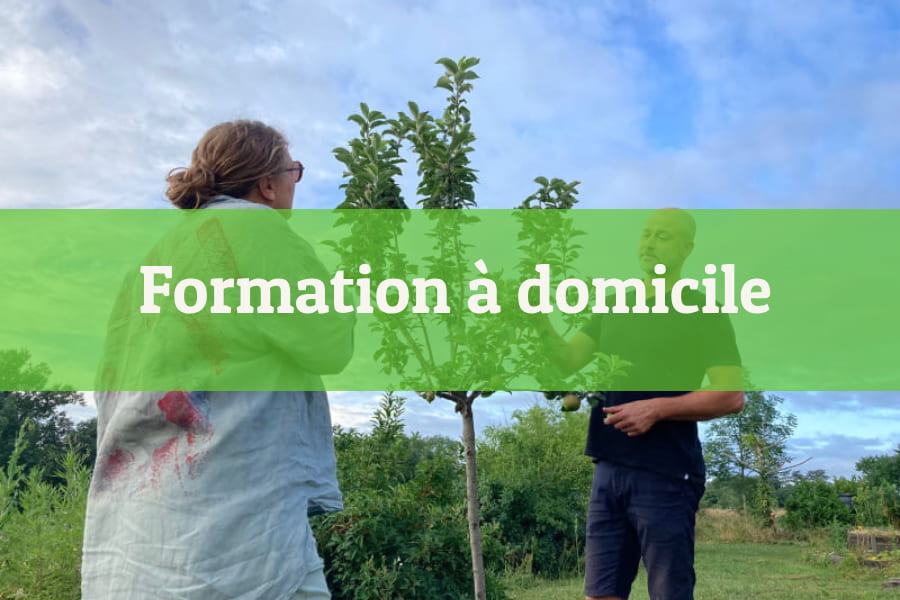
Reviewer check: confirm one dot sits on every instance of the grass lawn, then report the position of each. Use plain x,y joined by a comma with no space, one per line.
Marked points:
738,571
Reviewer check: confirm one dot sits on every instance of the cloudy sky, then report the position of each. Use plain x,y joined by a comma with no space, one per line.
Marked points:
700,104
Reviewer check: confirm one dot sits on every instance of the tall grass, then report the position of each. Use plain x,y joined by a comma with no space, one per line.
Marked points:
41,529
730,526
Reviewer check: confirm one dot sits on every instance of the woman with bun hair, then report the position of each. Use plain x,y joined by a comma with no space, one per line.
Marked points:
240,159
206,494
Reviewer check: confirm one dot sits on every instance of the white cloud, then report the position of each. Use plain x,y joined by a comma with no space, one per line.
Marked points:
837,454
789,92
149,80
103,99
29,73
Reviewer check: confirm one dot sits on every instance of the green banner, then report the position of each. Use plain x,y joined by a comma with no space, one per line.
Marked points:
453,300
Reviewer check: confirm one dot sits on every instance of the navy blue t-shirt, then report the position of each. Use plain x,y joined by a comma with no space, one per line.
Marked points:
674,347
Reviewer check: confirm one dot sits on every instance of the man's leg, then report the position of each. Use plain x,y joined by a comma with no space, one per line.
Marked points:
612,553
663,510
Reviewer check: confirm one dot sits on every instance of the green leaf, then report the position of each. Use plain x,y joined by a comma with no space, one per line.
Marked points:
444,82
448,64
468,63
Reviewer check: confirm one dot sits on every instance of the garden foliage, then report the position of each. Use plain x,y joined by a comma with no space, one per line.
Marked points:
41,528
815,504
403,532
536,483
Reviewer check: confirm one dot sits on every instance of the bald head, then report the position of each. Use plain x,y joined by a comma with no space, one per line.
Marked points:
680,221
667,238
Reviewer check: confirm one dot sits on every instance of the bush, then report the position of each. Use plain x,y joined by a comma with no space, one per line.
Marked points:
41,531
403,533
815,504
535,485
877,506
396,544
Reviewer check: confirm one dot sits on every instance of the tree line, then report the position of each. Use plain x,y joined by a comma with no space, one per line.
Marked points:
750,469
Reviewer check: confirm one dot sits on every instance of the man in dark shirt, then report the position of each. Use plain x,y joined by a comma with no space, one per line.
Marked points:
649,474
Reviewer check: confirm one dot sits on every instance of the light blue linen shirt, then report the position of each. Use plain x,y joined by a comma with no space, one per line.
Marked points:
207,494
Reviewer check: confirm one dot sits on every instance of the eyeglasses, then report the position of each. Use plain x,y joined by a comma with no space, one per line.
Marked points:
297,166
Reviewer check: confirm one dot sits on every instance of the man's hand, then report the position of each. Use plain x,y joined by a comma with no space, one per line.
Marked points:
633,418
636,418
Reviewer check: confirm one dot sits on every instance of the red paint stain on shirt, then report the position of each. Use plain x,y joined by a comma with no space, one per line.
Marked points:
193,462
179,410
167,454
112,466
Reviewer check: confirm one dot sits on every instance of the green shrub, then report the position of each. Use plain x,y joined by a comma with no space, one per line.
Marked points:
535,485
815,504
868,506
40,540
394,544
877,506
403,532
892,505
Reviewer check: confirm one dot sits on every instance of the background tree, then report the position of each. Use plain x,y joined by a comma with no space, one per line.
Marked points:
753,441
881,470
878,495
787,484
82,440
45,442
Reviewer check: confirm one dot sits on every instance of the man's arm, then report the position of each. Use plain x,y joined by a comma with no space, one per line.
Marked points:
722,397
568,356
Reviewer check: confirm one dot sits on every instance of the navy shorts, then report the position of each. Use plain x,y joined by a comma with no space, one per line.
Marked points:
635,513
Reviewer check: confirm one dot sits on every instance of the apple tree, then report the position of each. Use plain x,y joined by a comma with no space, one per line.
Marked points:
485,353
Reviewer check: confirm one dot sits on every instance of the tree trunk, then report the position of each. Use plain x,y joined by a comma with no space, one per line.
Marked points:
473,510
